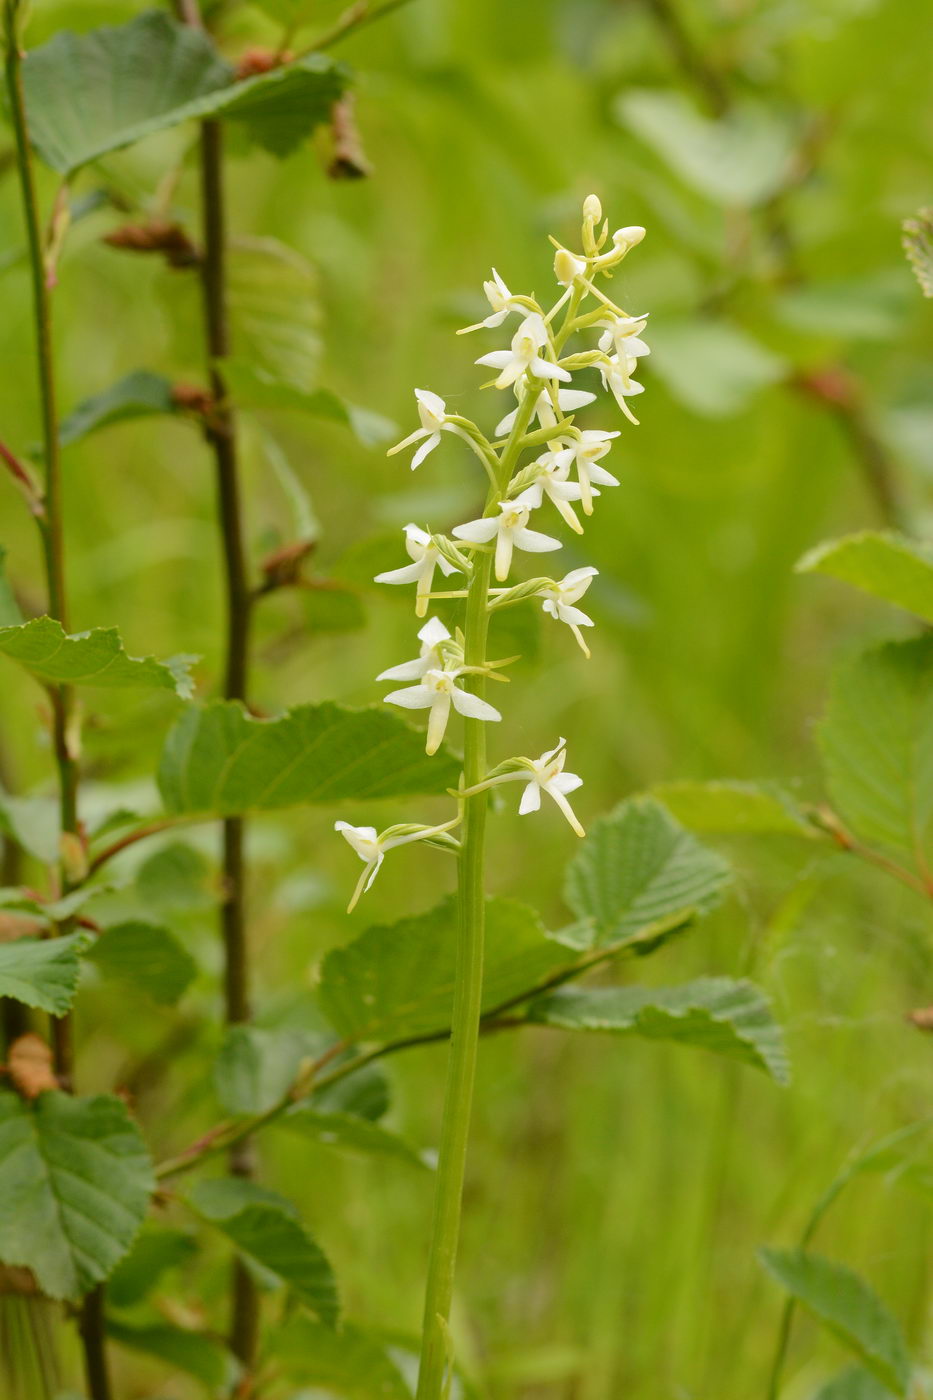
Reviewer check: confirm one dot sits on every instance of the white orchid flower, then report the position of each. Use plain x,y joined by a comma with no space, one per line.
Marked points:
544,774
553,470
623,240
501,301
371,847
568,267
427,557
584,453
509,530
569,400
560,599
622,336
616,373
433,413
525,355
432,634
438,691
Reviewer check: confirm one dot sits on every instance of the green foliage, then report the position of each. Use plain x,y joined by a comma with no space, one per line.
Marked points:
90,658
75,1182
176,879
147,958
397,980
260,391
265,1230
639,875
713,1013
351,1362
888,566
42,972
274,312
10,614
255,1068
734,808
33,823
155,1251
350,1133
89,94
220,760
877,744
137,395
193,1353
735,366
846,1305
853,1384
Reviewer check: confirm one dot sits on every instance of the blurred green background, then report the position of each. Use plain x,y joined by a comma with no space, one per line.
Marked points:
617,1193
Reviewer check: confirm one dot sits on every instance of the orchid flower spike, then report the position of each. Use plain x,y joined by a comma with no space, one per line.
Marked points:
509,530
371,847
616,374
568,401
560,599
501,301
427,557
621,335
553,470
525,355
584,453
433,413
432,635
438,692
544,774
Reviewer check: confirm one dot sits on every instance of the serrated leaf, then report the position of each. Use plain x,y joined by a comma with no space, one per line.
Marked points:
275,313
639,874
75,1182
260,391
266,1230
42,972
876,741
147,958
731,1018
918,245
853,1384
221,760
350,1362
888,566
349,1133
736,367
155,1251
397,980
255,1068
90,658
138,395
93,93
848,1307
194,1353
731,808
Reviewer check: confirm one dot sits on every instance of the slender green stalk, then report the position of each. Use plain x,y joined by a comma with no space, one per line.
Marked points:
468,987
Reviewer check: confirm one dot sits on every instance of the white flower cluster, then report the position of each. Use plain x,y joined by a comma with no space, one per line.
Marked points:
565,469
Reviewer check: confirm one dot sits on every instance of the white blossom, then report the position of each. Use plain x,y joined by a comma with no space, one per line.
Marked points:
553,470
616,373
560,599
371,847
432,634
438,691
433,413
525,355
568,400
544,774
585,453
510,530
427,557
622,336
501,301
568,267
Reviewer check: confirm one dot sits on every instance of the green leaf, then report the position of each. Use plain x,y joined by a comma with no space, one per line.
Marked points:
863,308
155,1251
137,395
853,1384
220,760
147,958
75,1182
255,1068
713,1013
260,391
194,1353
176,879
888,566
364,1093
89,94
10,614
732,808
877,745
741,158
918,245
638,874
90,658
33,824
275,312
735,367
336,609
846,1305
264,1228
350,1362
347,1132
397,980
42,972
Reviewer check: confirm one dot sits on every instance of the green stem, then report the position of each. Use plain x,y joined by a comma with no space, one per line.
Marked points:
468,987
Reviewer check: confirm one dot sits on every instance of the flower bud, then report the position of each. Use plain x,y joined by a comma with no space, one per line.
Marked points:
592,208
628,237
567,267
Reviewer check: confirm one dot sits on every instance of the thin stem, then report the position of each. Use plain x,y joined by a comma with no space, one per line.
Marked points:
351,20
94,1339
468,986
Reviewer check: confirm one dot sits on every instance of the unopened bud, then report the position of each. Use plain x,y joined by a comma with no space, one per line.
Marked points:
592,208
629,236
567,267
